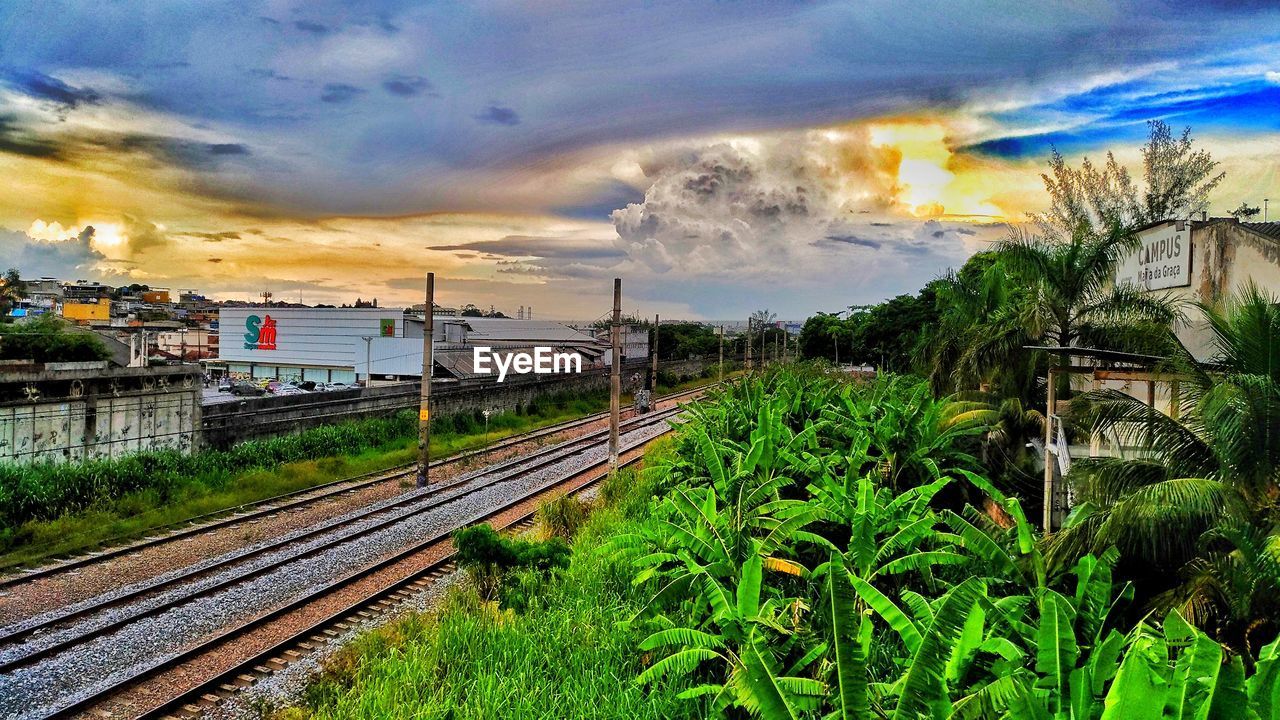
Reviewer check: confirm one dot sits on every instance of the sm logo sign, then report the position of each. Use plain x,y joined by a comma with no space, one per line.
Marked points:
260,333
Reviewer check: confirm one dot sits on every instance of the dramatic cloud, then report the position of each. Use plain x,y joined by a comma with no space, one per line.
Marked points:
754,204
43,87
55,254
833,149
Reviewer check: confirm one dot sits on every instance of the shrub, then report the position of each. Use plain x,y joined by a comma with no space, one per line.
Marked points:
563,516
487,556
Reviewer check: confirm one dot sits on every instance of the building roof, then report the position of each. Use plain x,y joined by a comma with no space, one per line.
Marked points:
1101,354
506,330
1268,229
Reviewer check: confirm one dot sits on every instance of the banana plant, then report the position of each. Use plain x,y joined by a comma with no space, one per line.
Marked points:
742,641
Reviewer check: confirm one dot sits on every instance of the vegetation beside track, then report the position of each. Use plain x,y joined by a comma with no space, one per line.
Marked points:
51,509
551,647
809,547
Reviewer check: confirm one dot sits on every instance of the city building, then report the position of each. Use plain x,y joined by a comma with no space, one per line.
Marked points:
189,344
288,343
85,291
95,312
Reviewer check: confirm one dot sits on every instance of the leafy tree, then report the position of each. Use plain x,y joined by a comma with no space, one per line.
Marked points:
823,335
12,290
470,310
679,341
1100,202
46,339
1245,212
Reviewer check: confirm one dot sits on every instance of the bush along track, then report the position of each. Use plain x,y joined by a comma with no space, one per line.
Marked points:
807,547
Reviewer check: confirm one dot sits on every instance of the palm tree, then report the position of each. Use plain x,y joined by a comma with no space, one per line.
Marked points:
1073,299
958,358
1068,263
1208,480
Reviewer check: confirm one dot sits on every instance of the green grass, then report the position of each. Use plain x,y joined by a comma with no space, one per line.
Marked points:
563,653
126,515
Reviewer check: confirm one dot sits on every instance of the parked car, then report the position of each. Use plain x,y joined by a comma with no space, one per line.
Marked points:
307,385
290,390
340,386
274,386
247,389
225,385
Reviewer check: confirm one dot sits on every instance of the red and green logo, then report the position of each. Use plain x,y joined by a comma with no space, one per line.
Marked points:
260,333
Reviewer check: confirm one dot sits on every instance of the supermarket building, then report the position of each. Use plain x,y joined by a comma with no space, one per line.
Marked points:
295,343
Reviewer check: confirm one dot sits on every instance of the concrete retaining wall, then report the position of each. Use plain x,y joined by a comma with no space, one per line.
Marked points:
76,411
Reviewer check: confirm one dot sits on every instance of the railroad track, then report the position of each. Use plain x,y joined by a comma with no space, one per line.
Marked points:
130,613
409,505
196,700
249,512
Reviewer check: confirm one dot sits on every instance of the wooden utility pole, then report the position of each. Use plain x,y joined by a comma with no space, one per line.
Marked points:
654,387
1048,461
615,375
720,377
424,397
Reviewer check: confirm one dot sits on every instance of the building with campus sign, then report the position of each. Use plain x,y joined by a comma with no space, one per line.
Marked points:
1204,261
287,343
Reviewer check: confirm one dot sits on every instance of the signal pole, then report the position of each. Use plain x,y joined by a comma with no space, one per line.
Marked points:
720,377
654,388
615,375
424,398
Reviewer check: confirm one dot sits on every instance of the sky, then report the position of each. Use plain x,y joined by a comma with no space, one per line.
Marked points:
719,157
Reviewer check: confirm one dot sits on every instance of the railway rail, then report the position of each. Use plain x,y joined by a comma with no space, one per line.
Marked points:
413,504
129,611
197,699
248,512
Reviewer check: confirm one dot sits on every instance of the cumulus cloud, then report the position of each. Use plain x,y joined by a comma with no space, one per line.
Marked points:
758,202
54,252
817,214
1273,77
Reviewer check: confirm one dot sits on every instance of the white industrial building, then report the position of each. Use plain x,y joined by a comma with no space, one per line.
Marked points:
320,344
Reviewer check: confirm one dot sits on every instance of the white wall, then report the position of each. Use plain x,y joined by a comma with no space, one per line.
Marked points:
325,337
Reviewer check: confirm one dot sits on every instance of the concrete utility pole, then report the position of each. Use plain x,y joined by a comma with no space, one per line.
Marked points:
615,375
1051,400
654,388
424,397
720,376
368,364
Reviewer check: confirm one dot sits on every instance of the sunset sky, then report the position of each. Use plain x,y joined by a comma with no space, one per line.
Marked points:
718,156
